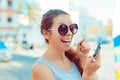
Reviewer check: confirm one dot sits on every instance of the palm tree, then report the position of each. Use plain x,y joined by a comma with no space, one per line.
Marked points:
33,13
32,10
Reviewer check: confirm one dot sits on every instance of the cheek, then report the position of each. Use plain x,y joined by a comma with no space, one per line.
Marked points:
54,36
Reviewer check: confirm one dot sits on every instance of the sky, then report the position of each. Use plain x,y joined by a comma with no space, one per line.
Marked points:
100,9
116,19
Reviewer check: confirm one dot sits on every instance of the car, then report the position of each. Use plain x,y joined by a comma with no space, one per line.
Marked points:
27,45
5,53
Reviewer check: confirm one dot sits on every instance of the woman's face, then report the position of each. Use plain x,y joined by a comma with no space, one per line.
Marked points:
55,39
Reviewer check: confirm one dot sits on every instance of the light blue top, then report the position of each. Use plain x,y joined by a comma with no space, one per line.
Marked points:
61,74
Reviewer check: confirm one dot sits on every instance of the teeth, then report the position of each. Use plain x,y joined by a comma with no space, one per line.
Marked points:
66,40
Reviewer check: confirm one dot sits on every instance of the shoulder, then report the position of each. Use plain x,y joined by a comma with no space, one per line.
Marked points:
41,71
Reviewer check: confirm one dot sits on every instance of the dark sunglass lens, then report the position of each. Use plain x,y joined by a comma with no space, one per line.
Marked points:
63,29
74,28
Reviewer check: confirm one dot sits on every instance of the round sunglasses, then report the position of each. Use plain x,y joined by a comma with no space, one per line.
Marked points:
63,29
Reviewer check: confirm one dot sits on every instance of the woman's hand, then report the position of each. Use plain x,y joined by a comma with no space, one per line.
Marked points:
82,51
91,66
83,48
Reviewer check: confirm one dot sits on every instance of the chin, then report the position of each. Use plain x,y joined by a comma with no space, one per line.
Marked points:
66,48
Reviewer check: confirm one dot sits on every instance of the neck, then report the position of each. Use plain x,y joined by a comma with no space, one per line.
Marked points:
54,54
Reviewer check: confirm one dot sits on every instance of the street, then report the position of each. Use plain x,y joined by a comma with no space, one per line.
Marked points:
19,68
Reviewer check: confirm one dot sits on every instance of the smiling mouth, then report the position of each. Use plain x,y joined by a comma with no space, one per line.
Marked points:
65,41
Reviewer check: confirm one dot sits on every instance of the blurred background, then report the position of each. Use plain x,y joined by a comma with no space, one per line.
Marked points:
21,42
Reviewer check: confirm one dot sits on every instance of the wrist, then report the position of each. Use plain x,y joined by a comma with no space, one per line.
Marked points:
86,76
94,77
83,61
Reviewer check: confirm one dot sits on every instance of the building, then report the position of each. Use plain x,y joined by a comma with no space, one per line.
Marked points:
8,19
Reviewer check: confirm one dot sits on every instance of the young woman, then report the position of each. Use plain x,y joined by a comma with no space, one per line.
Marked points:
60,61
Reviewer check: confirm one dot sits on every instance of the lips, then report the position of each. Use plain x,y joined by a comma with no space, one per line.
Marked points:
66,40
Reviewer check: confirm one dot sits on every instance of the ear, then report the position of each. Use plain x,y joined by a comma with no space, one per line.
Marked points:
46,34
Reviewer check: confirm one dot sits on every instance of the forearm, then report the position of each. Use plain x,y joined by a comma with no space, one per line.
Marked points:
88,77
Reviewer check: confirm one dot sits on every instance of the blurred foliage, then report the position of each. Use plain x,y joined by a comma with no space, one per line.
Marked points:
31,9
108,28
93,29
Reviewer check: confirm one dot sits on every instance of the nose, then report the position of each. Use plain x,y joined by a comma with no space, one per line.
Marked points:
69,32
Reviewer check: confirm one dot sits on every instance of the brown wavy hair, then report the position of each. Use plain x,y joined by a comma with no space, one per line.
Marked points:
46,23
74,57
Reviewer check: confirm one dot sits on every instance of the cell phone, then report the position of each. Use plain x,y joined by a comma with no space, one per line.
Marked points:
97,49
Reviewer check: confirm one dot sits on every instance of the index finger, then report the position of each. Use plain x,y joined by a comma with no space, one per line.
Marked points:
81,42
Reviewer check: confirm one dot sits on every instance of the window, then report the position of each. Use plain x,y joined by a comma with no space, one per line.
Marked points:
0,4
9,19
9,3
0,18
